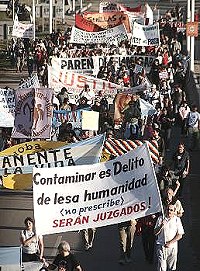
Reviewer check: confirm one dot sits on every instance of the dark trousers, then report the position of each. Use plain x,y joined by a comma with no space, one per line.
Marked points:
148,241
29,257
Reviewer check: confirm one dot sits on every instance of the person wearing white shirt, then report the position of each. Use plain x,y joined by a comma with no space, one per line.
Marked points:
169,230
193,125
32,244
122,49
183,113
88,93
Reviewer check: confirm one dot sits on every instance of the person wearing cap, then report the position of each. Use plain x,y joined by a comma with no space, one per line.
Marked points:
64,259
32,244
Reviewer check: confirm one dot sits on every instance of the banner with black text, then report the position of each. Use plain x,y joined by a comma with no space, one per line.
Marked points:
110,36
91,196
145,35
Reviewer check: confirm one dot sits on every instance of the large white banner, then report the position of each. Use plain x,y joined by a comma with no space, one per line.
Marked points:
74,83
92,64
83,152
7,107
92,196
112,35
145,35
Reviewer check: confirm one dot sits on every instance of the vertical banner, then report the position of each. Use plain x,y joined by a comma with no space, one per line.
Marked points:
96,195
33,113
7,107
192,29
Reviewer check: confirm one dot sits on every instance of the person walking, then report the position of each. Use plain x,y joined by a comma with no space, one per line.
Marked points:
169,230
126,234
183,113
181,165
193,126
88,235
170,198
166,121
147,225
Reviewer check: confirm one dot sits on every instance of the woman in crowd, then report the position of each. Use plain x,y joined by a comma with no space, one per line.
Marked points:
32,244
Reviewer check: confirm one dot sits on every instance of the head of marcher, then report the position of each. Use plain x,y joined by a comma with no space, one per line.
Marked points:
169,193
29,223
170,211
194,108
181,148
64,248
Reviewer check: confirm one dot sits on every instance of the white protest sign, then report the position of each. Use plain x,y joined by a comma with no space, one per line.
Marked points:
164,75
135,17
107,7
22,30
147,109
90,120
91,196
112,35
145,35
32,82
7,107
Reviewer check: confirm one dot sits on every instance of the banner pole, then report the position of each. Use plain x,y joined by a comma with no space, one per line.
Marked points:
33,14
192,38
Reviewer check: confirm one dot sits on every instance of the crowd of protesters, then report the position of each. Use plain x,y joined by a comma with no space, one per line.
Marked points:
166,93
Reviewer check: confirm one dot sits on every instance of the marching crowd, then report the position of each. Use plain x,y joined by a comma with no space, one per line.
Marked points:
168,96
